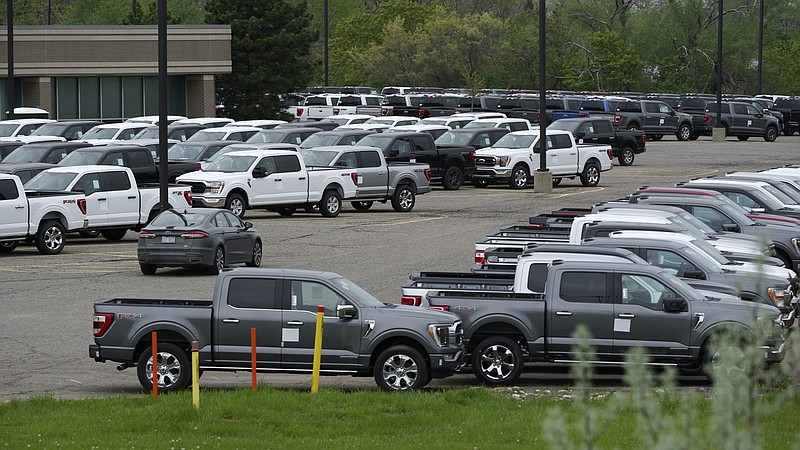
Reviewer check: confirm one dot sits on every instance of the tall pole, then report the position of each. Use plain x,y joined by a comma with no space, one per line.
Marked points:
542,178
325,37
760,43
718,124
10,35
163,101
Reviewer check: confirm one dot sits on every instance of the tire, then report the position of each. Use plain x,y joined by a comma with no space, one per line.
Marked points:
788,131
744,138
519,177
771,134
453,178
655,137
286,211
89,233
174,367
404,198
255,260
627,156
556,181
148,269
497,360
684,132
694,137
331,203
235,203
114,234
50,237
634,126
8,246
479,183
590,176
219,261
401,368
361,206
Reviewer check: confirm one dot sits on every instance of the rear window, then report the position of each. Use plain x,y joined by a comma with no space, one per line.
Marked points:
583,287
252,293
8,190
173,218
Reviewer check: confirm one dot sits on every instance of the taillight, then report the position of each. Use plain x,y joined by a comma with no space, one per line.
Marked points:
195,235
610,153
707,118
354,177
82,206
187,194
472,157
644,139
582,115
617,119
428,174
411,300
480,257
421,113
100,323
144,234
440,308
299,112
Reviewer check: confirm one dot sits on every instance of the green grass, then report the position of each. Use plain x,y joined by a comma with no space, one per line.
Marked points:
452,419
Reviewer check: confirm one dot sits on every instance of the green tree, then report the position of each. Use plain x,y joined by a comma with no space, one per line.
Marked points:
119,12
270,53
33,12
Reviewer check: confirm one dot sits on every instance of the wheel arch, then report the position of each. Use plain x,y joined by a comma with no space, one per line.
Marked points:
166,332
492,326
243,193
397,339
58,217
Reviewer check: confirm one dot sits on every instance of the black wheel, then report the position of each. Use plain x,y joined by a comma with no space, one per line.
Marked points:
403,199
148,269
114,234
255,260
401,368
497,360
556,181
655,137
286,210
8,246
453,178
590,175
331,203
361,206
694,137
634,126
219,261
627,156
235,204
684,132
742,138
50,237
89,233
478,183
771,134
173,368
519,177
788,131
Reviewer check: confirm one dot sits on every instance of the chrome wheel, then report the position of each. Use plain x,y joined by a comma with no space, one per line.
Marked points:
519,178
497,362
406,199
168,371
236,205
400,372
53,238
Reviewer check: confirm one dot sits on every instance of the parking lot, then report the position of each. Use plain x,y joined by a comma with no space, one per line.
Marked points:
46,326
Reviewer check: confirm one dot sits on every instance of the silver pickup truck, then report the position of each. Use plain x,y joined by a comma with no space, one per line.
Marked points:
403,348
623,305
376,180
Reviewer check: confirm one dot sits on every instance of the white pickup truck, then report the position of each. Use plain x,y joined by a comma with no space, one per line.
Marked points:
515,156
42,217
276,180
114,202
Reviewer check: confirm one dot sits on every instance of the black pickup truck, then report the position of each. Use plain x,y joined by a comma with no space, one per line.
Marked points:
450,164
139,159
429,106
625,144
476,138
657,118
790,107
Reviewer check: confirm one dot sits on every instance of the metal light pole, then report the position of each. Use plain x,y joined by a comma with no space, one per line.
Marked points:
163,101
542,178
719,131
10,36
760,43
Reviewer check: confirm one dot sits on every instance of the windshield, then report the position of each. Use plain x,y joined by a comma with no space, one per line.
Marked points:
319,140
790,190
381,121
231,164
451,138
344,120
267,137
100,133
564,125
79,158
514,141
709,251
8,129
441,122
481,124
172,218
147,133
51,181
364,298
701,259
380,142
26,155
49,129
208,136
318,157
692,294
184,152
225,150
779,195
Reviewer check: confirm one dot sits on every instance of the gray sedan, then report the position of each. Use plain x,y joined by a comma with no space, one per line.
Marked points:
198,237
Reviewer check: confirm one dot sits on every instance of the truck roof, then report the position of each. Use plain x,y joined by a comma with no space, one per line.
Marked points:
272,272
87,168
261,152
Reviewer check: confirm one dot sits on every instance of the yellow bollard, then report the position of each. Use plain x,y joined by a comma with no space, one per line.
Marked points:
195,376
317,350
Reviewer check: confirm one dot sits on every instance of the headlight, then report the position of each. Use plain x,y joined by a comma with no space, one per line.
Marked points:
503,160
216,186
796,244
440,334
769,326
778,296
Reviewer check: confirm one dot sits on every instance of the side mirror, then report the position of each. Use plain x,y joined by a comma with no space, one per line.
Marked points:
340,164
675,305
580,135
259,172
393,153
759,115
346,312
732,227
248,225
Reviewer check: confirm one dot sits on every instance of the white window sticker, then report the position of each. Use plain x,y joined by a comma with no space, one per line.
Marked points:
661,121
96,184
290,335
622,325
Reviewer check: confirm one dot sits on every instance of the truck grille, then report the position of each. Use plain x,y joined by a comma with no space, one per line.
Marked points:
197,188
484,160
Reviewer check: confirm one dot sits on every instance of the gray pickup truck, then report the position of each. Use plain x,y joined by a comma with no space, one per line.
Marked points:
403,348
376,180
623,305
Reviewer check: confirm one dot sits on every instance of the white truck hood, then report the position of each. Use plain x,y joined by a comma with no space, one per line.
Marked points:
767,271
200,177
501,151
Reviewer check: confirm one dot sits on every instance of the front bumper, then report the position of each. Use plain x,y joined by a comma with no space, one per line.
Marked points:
208,202
774,353
493,173
446,364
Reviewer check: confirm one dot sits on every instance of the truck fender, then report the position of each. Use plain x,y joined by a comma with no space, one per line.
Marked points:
337,187
167,332
241,191
396,337
408,180
57,216
497,324
720,327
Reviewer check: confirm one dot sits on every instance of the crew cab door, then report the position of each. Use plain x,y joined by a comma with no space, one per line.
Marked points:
96,200
640,319
13,209
562,155
293,179
580,298
121,198
374,177
248,303
341,337
423,151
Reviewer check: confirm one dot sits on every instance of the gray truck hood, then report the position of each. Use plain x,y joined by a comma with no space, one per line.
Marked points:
416,313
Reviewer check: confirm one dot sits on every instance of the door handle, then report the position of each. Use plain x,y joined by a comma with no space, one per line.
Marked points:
294,323
19,206
131,197
101,199
230,320
563,313
381,173
627,315
278,179
302,178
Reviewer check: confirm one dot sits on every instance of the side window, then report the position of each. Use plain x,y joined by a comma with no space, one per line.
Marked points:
8,190
139,158
26,130
584,287
710,217
113,159
537,277
400,147
369,159
219,221
603,126
651,107
269,165
294,138
644,291
739,108
420,143
752,110
252,293
743,200
88,184
307,295
115,181
663,108
347,160
24,176
288,163
671,261
587,129
232,219
562,141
